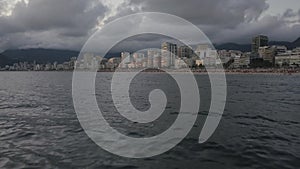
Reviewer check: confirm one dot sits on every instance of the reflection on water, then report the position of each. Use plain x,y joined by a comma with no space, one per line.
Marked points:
39,128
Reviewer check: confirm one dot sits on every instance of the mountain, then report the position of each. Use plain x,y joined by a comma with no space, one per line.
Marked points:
289,45
234,46
247,47
297,42
41,56
3,60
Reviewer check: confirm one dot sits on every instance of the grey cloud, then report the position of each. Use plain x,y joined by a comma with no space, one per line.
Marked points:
41,39
229,20
273,26
289,13
140,42
225,13
45,15
68,23
58,18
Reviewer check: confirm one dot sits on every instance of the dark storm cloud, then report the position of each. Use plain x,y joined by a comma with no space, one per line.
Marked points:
140,42
69,23
276,27
52,14
223,20
230,20
224,13
289,13
54,19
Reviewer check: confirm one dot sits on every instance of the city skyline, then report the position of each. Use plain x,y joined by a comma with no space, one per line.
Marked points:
178,56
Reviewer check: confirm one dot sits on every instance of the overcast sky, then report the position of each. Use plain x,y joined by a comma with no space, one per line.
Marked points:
67,24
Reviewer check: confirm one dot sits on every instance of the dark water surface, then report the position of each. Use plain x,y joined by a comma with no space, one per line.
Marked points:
39,128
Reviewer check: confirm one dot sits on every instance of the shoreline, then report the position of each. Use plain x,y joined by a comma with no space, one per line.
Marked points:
227,72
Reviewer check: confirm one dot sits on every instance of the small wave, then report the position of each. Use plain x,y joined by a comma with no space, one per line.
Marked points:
258,117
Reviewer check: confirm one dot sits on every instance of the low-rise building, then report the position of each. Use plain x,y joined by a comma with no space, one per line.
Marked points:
280,49
288,59
241,61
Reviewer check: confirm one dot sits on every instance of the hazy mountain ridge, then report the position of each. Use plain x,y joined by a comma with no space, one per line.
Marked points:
247,47
234,46
3,60
41,56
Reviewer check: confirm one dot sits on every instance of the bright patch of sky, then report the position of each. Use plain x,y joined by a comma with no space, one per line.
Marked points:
7,6
277,7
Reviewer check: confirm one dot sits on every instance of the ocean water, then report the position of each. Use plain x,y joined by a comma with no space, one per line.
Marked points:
39,128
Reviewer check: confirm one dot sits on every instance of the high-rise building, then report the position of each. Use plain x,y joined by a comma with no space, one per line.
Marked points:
152,53
125,55
168,54
203,50
185,52
88,59
138,59
157,61
126,59
257,42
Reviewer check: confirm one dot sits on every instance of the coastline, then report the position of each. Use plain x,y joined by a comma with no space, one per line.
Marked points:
197,72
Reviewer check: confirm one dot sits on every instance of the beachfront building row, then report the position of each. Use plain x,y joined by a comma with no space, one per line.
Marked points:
34,66
280,56
288,58
170,56
274,56
264,55
173,56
